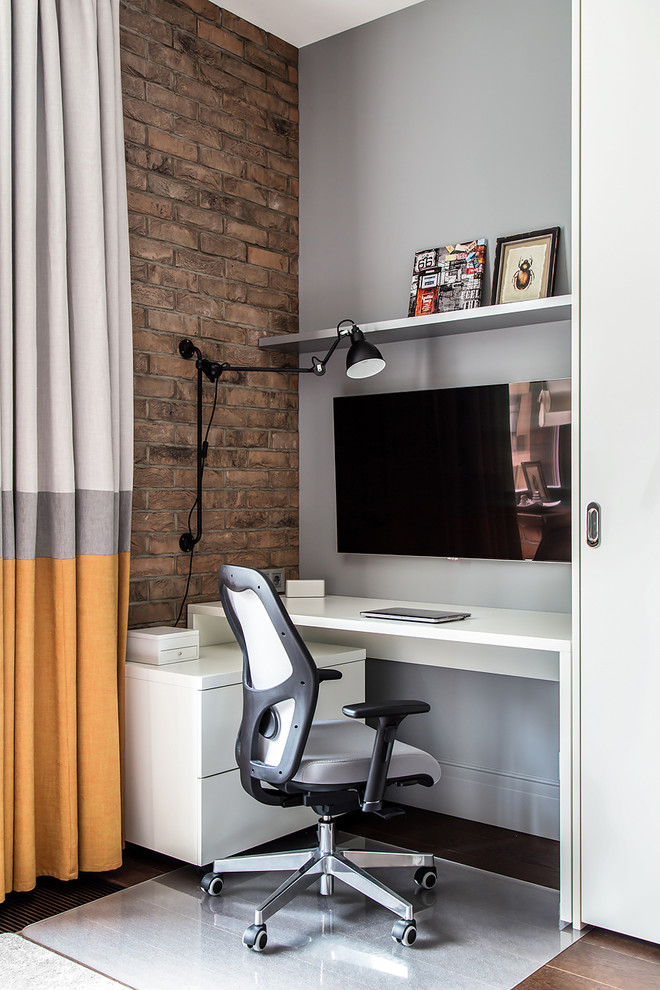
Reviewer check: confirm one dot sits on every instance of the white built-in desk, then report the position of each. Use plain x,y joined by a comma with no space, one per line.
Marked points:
510,642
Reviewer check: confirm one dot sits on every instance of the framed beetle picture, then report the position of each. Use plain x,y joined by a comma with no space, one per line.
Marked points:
525,266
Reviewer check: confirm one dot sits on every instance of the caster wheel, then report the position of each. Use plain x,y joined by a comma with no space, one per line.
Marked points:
426,877
212,883
404,932
255,937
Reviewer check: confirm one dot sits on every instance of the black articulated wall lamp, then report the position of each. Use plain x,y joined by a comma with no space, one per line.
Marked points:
362,361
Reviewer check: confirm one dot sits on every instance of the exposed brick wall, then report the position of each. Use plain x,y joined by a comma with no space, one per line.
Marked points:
211,127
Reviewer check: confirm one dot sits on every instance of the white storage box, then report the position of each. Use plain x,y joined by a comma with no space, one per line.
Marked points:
305,589
162,644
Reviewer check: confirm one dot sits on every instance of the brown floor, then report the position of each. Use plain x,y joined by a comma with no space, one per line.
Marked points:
599,961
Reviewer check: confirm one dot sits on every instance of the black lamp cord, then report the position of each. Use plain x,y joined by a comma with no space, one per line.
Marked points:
202,454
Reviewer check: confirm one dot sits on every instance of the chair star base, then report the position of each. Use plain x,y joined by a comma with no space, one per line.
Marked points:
325,863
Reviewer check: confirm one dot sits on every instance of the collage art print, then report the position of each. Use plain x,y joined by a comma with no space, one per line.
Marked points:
447,278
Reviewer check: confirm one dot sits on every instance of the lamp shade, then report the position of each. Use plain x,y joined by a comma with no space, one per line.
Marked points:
363,359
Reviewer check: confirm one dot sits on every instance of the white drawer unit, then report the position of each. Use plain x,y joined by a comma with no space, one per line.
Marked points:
162,644
182,791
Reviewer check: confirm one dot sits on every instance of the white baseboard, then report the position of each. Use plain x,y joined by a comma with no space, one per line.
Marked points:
524,804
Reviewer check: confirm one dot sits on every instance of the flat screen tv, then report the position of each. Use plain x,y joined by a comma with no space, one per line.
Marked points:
477,472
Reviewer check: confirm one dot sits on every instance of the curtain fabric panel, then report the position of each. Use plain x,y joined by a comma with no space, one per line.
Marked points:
66,424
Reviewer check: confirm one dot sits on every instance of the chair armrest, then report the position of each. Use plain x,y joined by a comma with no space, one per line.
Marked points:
402,708
390,716
328,674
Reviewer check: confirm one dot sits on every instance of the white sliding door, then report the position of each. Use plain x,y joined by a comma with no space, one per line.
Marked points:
619,317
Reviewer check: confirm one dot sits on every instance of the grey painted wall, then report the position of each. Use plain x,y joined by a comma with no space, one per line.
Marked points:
441,122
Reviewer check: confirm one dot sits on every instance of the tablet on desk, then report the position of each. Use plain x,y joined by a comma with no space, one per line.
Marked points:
414,614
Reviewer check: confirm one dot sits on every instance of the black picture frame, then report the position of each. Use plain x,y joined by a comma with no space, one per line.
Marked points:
515,280
533,471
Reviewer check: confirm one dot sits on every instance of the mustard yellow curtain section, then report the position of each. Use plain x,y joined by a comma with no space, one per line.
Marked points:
61,715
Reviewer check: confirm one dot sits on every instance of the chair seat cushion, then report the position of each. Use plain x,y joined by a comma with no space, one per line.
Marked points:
339,751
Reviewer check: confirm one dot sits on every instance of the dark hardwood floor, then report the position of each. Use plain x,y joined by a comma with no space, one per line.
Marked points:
600,960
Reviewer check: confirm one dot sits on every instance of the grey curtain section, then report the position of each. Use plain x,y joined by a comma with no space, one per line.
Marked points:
66,402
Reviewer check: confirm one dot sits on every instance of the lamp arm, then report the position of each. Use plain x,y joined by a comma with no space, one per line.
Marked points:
214,370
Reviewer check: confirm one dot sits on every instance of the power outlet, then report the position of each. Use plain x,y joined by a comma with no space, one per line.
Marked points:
276,574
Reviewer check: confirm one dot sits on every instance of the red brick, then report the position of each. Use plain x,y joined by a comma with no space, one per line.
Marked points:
198,49
254,77
201,263
231,335
267,101
171,59
198,91
132,86
172,13
266,177
204,8
283,48
197,217
246,315
220,161
285,204
152,205
246,190
236,24
267,259
134,131
282,282
226,247
228,42
221,120
165,231
246,273
244,150
135,178
147,385
287,243
222,288
267,299
143,247
141,23
198,305
137,224
272,64
199,133
284,322
179,323
174,277
161,96
198,174
164,185
246,232
152,161
129,42
244,110
151,295
172,145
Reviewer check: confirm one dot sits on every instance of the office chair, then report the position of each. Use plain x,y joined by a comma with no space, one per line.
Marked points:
334,766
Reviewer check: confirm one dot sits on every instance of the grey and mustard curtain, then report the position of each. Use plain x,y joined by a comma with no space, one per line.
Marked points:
65,438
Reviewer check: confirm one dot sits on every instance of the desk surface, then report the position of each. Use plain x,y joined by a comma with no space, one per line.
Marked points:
514,628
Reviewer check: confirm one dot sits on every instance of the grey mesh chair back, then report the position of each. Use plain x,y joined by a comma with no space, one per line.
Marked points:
280,681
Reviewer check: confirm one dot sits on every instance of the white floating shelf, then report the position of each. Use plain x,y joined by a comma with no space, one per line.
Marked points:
523,314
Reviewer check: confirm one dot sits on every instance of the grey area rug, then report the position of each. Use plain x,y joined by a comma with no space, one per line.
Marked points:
24,964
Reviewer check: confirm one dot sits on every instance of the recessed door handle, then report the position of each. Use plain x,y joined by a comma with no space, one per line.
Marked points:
593,524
